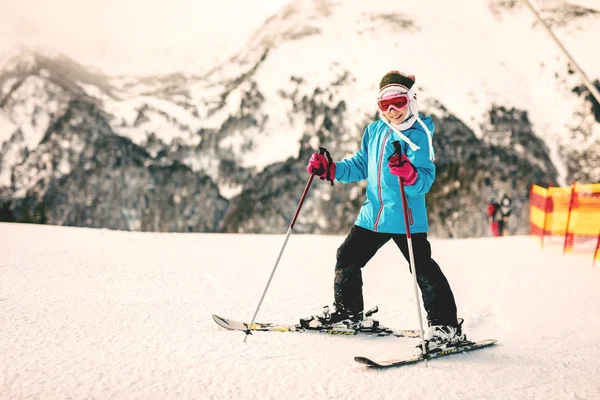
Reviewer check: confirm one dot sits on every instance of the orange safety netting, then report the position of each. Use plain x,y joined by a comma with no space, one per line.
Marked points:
567,217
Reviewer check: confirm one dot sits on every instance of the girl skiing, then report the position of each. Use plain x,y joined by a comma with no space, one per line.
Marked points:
381,217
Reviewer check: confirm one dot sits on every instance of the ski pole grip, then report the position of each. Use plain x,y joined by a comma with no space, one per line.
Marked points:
395,159
397,147
325,152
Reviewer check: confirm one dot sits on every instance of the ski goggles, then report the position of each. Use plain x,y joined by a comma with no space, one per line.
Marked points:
398,101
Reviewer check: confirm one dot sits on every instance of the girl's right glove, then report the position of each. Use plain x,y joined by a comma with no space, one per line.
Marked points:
403,169
320,166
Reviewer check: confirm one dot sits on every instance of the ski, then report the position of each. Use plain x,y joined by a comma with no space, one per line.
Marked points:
442,352
336,329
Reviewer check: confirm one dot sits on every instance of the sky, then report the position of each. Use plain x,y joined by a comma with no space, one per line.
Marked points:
99,314
136,37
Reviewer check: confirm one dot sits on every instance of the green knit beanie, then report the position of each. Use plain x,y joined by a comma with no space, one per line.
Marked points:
396,80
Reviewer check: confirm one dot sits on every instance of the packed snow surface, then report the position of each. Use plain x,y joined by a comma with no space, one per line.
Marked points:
99,314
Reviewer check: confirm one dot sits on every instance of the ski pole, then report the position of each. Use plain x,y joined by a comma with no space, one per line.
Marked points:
287,236
398,151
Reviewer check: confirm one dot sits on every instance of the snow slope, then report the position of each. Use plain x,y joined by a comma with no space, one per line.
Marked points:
100,314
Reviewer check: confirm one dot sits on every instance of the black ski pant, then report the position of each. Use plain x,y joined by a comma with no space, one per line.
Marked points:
362,244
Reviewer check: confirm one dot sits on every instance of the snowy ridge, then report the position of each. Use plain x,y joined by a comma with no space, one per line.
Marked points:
482,65
482,68
135,322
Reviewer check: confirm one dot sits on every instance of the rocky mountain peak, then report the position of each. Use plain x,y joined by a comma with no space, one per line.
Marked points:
53,67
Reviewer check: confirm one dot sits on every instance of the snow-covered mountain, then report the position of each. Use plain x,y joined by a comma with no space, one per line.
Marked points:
226,151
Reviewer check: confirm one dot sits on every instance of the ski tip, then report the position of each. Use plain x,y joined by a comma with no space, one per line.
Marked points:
364,361
221,321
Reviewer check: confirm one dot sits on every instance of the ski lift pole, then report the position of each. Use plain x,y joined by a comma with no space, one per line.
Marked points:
586,81
398,151
287,236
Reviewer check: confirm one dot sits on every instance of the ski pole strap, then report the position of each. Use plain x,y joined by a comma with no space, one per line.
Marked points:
325,152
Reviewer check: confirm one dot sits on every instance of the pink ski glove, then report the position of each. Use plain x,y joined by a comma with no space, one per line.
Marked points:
403,169
319,166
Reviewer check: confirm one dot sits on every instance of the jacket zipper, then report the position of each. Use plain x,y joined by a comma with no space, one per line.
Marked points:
379,166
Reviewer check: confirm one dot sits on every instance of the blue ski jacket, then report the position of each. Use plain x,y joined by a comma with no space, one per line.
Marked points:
382,210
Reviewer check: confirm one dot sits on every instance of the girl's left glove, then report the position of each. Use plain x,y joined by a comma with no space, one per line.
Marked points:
403,168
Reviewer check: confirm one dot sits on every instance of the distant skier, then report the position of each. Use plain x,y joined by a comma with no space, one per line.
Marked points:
381,217
505,211
493,214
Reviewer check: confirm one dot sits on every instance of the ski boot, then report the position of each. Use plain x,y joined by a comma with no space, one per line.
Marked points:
340,318
440,337
369,324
